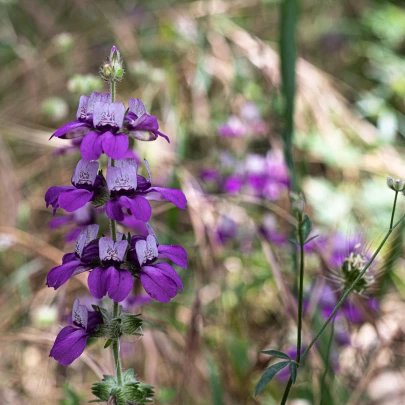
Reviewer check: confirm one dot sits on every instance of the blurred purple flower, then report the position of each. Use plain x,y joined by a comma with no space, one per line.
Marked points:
269,230
226,229
233,128
71,340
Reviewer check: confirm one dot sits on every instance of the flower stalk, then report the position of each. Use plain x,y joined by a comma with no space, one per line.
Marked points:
345,295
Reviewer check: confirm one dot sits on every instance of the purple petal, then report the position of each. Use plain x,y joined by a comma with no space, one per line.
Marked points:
97,282
52,196
72,129
136,106
85,173
115,146
125,162
68,257
120,287
139,207
69,345
91,147
94,319
177,254
142,135
87,234
80,314
175,196
60,221
121,178
145,123
113,209
74,199
90,252
112,251
108,116
160,285
93,99
146,251
82,109
60,274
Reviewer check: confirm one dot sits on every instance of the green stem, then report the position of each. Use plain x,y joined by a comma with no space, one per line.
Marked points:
300,301
113,230
327,361
301,290
393,210
352,286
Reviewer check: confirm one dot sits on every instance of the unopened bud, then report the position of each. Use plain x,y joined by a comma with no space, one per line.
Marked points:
113,68
395,184
297,202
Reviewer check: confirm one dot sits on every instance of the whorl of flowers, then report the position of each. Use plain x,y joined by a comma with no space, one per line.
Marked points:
116,261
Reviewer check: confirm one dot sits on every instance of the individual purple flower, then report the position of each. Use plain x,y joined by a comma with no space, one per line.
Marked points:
141,125
86,249
84,117
130,192
86,183
159,280
233,128
233,184
71,340
108,278
107,121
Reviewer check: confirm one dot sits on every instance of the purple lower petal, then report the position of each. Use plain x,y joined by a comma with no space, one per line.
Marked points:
60,274
91,148
121,289
175,196
139,207
97,282
72,200
52,196
177,254
115,146
113,210
69,345
159,284
71,130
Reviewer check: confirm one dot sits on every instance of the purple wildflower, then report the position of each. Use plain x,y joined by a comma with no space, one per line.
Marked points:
269,230
109,278
71,340
86,183
141,125
233,128
130,191
86,249
84,117
159,280
107,121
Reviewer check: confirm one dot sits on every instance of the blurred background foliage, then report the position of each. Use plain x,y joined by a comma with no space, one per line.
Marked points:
195,64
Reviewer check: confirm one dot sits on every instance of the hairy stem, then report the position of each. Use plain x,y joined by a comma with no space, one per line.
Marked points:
113,229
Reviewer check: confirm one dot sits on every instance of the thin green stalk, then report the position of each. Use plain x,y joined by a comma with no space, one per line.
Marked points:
332,334
393,210
345,295
116,344
300,301
301,290
352,286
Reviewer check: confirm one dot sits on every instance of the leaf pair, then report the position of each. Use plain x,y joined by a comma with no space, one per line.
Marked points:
272,370
304,229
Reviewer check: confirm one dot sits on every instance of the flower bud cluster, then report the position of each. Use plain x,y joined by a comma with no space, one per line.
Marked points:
112,70
396,184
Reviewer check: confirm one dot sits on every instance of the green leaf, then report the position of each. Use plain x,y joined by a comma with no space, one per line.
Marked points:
293,371
306,227
276,353
131,323
310,239
269,374
293,241
108,343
